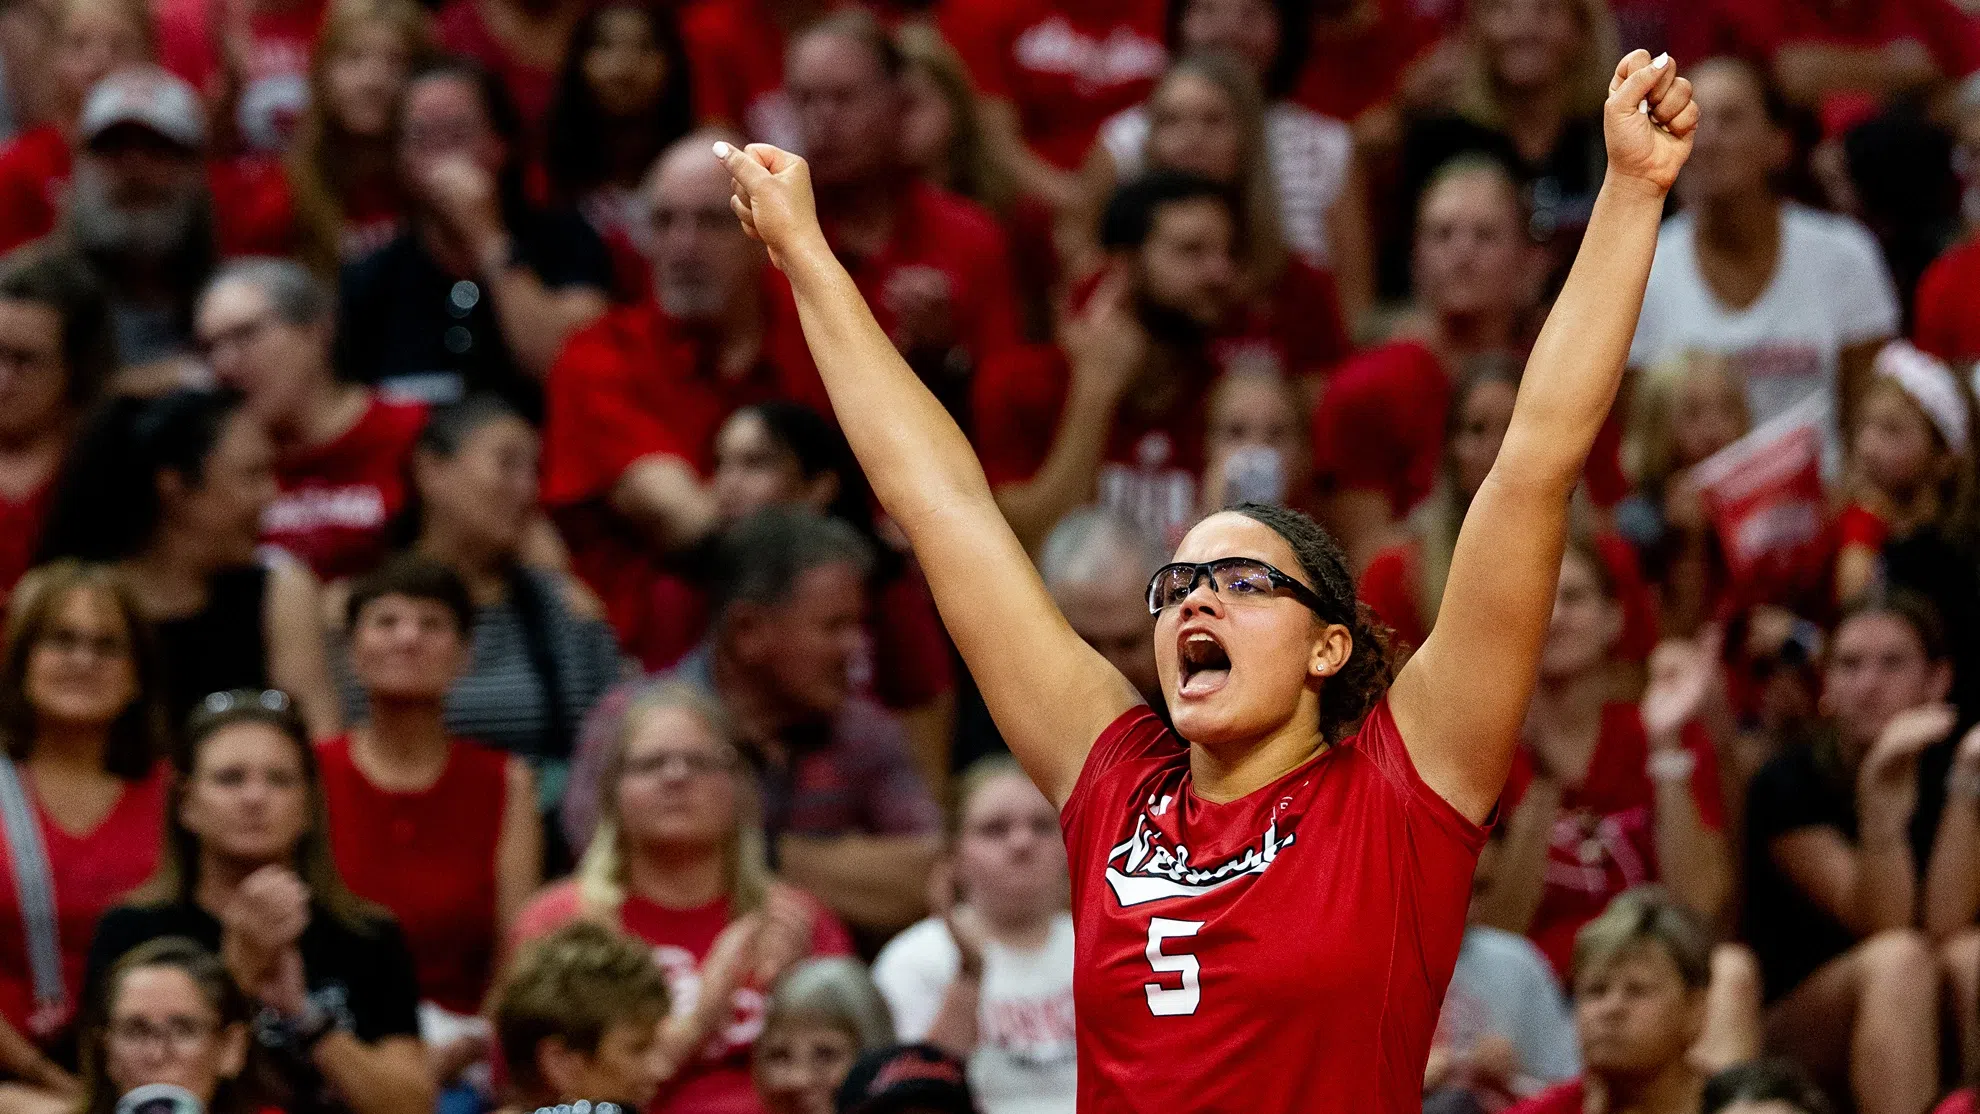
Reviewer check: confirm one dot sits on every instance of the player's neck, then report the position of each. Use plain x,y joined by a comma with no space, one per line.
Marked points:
1227,774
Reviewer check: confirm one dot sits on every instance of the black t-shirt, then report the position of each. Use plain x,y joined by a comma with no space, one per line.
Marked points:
1806,786
418,331
363,977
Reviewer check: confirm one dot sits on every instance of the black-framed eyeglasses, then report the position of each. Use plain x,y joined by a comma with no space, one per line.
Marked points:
1231,578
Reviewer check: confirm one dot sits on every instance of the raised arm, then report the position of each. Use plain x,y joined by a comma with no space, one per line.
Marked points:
1460,700
1049,692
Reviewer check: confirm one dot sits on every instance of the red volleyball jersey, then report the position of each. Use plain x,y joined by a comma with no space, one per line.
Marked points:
1287,951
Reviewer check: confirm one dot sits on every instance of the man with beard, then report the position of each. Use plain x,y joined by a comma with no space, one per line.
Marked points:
139,208
635,400
1115,411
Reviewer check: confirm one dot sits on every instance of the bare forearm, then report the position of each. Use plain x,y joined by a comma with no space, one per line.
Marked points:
535,320
377,1079
1952,882
1884,882
664,496
954,1027
1513,897
1065,480
1577,364
921,466
878,881
1691,857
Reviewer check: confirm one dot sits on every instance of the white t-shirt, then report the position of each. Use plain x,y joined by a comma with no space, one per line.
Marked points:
1830,290
1309,153
1024,1060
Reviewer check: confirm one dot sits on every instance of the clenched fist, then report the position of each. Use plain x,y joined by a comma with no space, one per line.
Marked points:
773,199
1649,119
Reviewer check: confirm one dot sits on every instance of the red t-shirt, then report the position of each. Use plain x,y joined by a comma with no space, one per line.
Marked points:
1296,331
1392,586
1283,952
1380,425
1758,29
717,1080
91,873
1065,66
1948,305
1153,460
1959,1102
429,857
1857,524
1566,1098
336,499
636,384
460,29
20,534
1354,68
746,89
936,228
1605,838
252,210
275,72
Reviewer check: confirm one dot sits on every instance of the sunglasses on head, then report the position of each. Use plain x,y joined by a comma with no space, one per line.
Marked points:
1232,579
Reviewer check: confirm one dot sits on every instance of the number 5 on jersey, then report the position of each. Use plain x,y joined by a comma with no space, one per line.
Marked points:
1165,1001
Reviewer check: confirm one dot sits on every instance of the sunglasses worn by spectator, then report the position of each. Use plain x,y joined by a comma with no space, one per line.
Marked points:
1231,578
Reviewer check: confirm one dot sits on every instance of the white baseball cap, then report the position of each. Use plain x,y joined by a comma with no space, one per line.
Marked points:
150,97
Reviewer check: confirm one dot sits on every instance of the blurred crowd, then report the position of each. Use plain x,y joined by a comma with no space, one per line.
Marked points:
453,662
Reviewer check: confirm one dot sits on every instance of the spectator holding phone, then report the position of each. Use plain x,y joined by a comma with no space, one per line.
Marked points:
171,1016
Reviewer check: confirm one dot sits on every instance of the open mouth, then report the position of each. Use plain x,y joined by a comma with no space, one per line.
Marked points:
1206,665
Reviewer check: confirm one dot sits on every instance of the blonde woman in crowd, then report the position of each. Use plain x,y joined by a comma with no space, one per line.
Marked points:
678,861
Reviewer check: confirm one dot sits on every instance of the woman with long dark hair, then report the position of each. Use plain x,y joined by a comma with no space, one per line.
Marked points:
172,490
247,873
1307,826
622,98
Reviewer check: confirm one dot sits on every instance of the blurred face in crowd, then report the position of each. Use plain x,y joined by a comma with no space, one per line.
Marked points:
848,108
1258,411
928,124
1585,624
1484,413
363,77
1634,1014
680,785
483,496
622,1069
1708,411
93,39
34,374
444,119
222,507
799,650
1111,615
1737,149
799,1063
277,366
1193,126
247,800
1473,257
1188,265
406,649
1010,858
1248,29
137,194
1877,668
1896,449
625,66
754,470
80,672
703,262
161,1029
1530,44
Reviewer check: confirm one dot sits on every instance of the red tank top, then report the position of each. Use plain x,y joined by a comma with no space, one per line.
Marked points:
1286,951
429,857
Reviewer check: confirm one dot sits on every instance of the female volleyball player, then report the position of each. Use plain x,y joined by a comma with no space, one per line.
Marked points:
1269,898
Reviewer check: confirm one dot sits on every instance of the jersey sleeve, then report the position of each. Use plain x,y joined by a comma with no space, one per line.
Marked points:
1381,741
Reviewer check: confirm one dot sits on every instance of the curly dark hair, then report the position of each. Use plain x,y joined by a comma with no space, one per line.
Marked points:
1353,692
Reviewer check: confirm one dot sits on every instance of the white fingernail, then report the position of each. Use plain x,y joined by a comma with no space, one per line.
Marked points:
1643,107
722,149
1660,61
